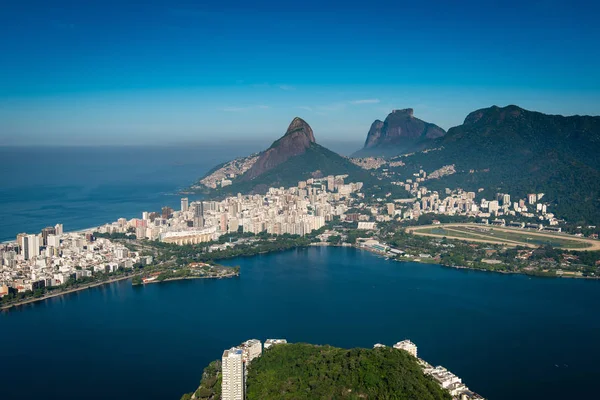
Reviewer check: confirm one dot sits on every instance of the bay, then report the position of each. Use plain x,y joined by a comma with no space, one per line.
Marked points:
507,336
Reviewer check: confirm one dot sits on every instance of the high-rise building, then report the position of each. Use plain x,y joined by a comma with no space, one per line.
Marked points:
251,349
167,212
20,238
407,346
185,205
330,183
391,208
198,214
223,222
31,246
50,230
58,229
232,367
53,241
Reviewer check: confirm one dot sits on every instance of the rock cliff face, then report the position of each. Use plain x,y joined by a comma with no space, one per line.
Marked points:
400,132
296,141
374,135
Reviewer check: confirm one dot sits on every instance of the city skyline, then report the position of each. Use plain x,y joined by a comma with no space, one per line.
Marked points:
178,73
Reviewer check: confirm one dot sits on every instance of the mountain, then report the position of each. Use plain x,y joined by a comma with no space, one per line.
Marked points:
294,157
297,140
400,133
516,151
305,371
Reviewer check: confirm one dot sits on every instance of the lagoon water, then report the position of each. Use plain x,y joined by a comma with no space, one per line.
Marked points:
507,336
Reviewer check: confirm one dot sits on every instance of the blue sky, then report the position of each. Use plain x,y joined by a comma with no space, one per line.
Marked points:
104,72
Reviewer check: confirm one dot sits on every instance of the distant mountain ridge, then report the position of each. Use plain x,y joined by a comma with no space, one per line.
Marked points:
400,133
513,150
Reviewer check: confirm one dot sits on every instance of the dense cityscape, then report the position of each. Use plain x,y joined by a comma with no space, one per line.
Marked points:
49,259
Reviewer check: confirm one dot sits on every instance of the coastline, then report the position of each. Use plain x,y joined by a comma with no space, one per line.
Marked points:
315,244
232,275
85,230
464,267
51,295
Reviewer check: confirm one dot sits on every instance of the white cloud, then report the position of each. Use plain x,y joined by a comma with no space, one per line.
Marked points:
365,101
305,108
286,87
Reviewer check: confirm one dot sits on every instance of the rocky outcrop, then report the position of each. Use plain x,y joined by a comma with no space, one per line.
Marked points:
374,134
296,141
400,132
401,127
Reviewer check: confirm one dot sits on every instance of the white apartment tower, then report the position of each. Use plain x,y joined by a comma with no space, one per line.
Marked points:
59,229
232,387
31,246
251,349
185,205
407,346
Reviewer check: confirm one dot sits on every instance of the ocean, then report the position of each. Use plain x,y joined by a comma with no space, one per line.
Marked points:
507,336
82,187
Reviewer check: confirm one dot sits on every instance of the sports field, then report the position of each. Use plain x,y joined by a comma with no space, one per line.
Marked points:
506,236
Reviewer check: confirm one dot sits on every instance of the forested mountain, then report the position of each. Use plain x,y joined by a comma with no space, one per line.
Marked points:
517,151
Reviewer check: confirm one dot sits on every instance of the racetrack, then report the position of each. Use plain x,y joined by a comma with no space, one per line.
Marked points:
505,236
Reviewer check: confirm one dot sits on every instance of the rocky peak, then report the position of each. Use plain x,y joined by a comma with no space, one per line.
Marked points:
409,112
401,129
296,140
299,126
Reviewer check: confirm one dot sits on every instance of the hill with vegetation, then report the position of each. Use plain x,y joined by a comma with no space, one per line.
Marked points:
516,151
294,157
305,371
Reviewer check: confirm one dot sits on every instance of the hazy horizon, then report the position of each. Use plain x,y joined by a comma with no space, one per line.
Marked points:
170,72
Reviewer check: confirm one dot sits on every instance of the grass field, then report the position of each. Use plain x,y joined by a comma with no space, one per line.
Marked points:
505,236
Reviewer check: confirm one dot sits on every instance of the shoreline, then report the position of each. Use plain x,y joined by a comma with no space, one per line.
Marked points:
316,244
85,230
51,295
232,275
469,268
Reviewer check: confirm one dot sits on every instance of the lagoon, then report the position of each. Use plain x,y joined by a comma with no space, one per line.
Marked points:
506,336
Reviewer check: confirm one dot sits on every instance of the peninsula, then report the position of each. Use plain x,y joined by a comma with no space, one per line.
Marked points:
306,371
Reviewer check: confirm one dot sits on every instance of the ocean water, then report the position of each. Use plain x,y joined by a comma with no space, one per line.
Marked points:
82,187
507,336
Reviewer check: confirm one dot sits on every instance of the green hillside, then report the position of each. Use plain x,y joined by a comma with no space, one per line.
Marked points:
515,151
308,372
315,162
